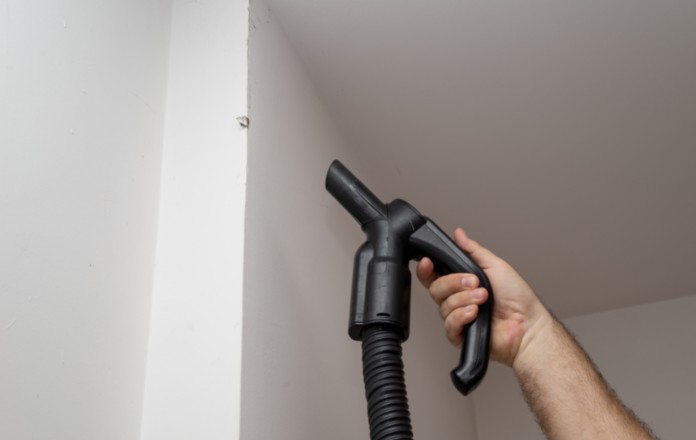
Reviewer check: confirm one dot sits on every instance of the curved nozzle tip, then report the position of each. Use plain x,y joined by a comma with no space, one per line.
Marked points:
353,195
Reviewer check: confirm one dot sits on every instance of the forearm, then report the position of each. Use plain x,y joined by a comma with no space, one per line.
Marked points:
568,396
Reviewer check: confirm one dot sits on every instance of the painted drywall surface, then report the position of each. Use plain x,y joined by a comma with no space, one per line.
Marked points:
302,375
193,368
646,353
81,108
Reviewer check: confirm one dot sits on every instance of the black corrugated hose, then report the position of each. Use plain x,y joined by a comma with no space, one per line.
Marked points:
385,387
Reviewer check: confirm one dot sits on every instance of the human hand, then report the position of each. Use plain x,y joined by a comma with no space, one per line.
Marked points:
517,311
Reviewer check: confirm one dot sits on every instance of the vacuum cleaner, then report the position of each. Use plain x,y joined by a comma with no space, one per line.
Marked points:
381,299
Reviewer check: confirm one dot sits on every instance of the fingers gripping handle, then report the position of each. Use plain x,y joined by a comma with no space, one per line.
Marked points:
429,240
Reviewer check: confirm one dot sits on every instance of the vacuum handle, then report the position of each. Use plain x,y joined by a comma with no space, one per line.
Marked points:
429,240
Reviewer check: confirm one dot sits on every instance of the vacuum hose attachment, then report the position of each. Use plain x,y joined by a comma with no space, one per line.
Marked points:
385,389
380,301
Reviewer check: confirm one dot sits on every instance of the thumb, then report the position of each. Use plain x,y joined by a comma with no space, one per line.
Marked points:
481,256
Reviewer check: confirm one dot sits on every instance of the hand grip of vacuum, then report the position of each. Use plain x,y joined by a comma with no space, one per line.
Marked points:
430,241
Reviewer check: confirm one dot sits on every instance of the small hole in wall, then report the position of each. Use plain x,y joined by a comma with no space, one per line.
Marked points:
384,315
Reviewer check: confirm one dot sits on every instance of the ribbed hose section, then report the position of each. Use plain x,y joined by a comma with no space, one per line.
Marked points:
385,388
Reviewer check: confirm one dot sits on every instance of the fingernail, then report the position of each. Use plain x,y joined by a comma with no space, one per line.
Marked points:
469,281
476,294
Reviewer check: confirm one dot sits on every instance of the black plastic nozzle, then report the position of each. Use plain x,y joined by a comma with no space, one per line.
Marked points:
396,233
353,195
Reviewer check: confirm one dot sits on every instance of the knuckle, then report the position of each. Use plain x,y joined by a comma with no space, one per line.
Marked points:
445,307
466,314
454,302
446,286
454,335
461,315
434,294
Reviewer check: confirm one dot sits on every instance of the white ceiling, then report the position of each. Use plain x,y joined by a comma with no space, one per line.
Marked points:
561,134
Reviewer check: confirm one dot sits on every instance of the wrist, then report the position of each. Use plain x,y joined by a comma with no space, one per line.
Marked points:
536,339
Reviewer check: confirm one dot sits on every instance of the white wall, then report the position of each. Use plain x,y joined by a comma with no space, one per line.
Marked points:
81,107
296,352
193,368
646,353
301,375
